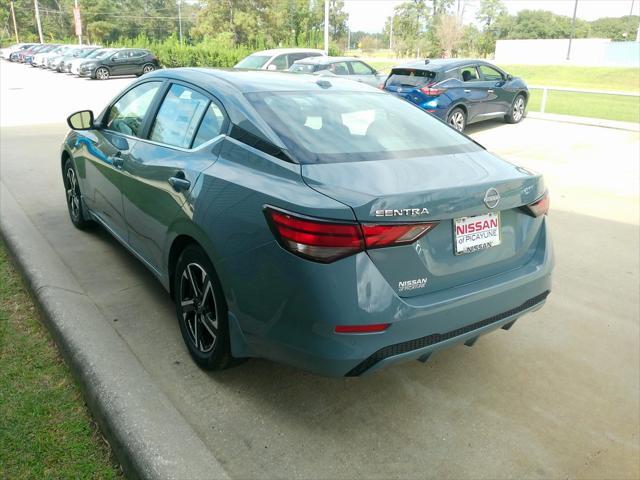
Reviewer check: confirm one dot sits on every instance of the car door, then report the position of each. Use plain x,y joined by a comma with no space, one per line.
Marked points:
182,140
474,91
279,62
361,72
106,150
136,59
118,63
498,99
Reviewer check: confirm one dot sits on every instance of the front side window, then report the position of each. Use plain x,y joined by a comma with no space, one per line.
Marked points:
360,68
178,117
280,62
128,113
253,61
328,127
490,74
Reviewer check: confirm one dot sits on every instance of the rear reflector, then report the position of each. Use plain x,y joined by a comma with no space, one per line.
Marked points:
540,206
326,241
377,327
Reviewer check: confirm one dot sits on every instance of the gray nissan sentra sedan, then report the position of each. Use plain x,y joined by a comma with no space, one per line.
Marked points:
316,222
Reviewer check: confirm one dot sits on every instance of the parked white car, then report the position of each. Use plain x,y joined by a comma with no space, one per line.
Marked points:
276,59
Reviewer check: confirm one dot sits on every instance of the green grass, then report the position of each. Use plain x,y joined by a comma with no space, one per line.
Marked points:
45,429
589,78
608,107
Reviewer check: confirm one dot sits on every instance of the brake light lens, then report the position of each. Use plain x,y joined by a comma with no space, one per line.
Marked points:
432,91
539,207
326,241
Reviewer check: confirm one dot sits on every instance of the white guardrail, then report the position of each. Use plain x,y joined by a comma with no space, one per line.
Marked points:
545,90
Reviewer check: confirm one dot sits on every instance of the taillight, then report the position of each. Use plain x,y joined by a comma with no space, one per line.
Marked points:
371,328
326,240
540,206
432,91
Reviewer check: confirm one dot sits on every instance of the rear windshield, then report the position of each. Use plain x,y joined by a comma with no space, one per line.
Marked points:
304,68
253,61
405,77
328,127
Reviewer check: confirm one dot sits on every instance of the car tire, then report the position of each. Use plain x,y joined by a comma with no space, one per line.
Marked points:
517,110
148,68
74,197
457,119
202,310
102,73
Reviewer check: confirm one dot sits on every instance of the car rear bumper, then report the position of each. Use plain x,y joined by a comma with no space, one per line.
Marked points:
295,324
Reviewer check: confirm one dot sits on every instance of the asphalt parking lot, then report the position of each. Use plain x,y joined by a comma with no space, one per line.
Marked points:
557,396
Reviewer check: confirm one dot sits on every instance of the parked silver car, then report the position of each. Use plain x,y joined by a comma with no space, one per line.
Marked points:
277,58
347,67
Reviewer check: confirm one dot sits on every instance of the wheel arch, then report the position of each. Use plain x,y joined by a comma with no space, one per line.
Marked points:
178,245
461,106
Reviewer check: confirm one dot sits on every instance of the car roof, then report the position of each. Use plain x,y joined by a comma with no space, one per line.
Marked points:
323,60
246,81
441,64
279,51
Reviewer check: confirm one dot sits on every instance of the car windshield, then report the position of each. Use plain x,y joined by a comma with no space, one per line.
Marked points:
408,77
304,67
328,127
253,61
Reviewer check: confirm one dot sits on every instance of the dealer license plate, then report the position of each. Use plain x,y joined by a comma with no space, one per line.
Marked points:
480,232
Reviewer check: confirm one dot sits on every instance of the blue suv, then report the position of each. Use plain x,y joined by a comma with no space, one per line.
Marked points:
460,91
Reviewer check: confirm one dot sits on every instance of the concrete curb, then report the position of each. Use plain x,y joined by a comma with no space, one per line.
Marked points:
148,435
594,122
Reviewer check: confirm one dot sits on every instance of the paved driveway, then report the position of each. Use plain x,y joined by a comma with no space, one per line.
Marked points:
556,396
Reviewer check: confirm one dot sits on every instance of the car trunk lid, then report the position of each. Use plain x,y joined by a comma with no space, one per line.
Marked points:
438,189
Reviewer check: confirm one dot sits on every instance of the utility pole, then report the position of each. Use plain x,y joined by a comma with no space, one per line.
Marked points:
391,32
573,28
77,21
15,26
180,19
348,38
326,27
35,3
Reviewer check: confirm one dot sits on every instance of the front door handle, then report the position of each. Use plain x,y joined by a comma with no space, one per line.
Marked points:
179,184
490,91
117,160
467,91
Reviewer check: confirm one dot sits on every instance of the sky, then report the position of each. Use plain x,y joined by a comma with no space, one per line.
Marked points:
370,15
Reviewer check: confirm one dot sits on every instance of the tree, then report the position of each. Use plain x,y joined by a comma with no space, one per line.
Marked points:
449,32
619,29
410,23
489,10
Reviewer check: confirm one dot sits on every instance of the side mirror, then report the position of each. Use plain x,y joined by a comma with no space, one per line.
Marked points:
509,77
272,67
82,120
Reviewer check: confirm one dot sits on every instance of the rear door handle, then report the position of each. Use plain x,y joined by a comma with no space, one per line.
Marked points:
490,91
467,91
179,184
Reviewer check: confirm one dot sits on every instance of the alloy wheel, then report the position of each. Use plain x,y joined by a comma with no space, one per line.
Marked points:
199,308
102,73
148,68
73,194
518,109
457,121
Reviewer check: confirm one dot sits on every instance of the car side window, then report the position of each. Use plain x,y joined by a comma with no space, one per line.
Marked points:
128,113
360,68
469,74
280,62
294,57
339,68
490,74
178,117
211,126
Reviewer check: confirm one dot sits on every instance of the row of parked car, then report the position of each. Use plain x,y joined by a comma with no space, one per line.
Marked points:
83,60
458,91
